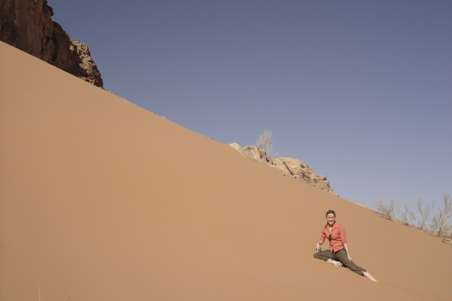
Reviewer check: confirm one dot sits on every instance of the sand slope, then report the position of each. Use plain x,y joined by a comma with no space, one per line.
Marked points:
102,200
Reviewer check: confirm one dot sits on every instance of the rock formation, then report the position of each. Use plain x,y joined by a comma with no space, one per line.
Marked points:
88,69
290,166
256,153
27,25
302,172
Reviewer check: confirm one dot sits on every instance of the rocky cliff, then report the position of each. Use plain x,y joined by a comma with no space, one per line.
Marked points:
28,25
289,166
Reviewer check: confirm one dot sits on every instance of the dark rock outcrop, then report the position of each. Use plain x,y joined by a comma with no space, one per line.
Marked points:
289,166
27,25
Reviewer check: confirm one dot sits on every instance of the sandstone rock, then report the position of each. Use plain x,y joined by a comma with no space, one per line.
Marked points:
289,166
302,172
27,25
88,69
236,146
255,153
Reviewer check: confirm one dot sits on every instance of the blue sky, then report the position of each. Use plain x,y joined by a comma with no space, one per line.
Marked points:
361,91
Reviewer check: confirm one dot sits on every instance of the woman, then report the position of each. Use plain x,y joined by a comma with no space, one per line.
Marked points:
339,254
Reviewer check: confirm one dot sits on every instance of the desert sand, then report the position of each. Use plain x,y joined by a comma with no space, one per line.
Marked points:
103,200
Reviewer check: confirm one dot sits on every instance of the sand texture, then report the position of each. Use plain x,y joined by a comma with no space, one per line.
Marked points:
103,200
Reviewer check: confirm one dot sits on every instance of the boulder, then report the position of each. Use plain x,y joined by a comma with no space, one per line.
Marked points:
255,153
302,172
236,146
289,166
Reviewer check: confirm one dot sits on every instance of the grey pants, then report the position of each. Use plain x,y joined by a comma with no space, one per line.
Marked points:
342,257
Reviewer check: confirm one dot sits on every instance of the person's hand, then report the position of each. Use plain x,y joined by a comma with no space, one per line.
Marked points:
317,248
350,258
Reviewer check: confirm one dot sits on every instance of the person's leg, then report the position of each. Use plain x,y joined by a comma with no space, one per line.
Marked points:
368,275
324,255
328,257
343,257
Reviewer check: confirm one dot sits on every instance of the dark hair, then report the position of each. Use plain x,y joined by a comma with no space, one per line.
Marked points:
330,211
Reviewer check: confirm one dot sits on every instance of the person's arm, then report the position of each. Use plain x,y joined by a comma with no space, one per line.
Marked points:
348,252
317,246
321,241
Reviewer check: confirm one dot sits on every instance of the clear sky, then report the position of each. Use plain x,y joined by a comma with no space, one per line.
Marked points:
361,91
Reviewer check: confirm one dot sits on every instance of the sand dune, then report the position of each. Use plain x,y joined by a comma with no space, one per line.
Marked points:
103,200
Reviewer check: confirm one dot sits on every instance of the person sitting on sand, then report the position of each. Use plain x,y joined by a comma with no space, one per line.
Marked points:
339,253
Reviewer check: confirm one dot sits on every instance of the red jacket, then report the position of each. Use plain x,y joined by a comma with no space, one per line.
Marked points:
336,237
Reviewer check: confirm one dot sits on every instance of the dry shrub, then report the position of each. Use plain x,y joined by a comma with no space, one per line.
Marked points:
436,222
424,213
265,142
407,216
386,209
440,222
